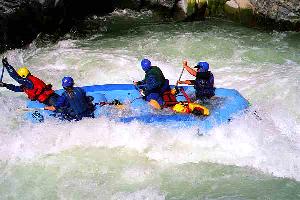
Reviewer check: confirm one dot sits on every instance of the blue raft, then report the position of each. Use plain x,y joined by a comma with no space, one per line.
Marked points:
223,108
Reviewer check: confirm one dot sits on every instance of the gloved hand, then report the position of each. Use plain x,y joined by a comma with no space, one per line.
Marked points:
137,83
2,84
184,63
5,62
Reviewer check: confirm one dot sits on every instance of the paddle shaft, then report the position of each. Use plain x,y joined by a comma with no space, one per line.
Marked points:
180,76
2,74
30,109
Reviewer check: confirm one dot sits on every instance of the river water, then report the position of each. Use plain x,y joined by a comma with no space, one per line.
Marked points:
98,158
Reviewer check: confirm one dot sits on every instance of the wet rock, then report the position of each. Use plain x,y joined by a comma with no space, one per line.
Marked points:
20,21
191,10
278,14
241,11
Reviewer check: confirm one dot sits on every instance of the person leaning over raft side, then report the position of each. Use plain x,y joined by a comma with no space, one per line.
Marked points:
73,104
154,84
35,88
204,83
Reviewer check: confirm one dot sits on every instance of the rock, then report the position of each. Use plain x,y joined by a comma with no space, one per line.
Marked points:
129,4
241,11
20,21
278,14
191,10
216,8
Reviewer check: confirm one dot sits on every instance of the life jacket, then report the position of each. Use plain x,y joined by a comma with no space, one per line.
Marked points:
40,90
204,84
194,108
169,98
79,105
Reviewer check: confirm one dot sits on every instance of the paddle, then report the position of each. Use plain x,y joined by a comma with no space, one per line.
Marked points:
30,109
176,85
1,77
179,77
140,91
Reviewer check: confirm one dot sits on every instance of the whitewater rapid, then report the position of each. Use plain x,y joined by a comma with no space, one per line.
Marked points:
263,67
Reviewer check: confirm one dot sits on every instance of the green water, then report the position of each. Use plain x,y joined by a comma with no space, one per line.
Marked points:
100,173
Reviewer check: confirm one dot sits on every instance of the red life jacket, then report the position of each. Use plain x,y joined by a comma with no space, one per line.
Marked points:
40,90
169,99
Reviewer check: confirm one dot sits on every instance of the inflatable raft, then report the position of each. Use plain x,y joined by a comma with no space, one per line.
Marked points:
227,104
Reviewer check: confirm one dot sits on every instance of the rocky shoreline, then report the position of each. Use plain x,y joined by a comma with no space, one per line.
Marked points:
22,20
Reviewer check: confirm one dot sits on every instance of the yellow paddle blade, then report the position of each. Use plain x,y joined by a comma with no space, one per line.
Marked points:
180,108
195,106
154,104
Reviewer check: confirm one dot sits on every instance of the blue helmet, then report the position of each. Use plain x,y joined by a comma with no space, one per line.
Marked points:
204,66
67,81
146,64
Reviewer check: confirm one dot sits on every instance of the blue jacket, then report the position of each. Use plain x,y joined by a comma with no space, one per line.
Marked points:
75,105
154,82
22,81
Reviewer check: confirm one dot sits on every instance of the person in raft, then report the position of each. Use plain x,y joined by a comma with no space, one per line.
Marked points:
73,104
34,87
155,87
204,82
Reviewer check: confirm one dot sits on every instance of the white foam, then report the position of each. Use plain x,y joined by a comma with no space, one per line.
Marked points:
271,145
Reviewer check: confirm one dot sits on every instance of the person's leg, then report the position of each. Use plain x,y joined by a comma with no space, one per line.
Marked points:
155,100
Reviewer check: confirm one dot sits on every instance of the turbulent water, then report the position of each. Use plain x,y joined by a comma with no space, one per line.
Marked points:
98,158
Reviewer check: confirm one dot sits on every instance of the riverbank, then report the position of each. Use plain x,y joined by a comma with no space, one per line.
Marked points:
22,20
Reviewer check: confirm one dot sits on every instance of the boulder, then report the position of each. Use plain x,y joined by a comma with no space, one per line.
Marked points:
241,11
278,14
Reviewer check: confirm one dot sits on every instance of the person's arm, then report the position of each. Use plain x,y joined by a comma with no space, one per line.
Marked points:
11,87
189,69
189,82
51,108
61,102
12,72
137,83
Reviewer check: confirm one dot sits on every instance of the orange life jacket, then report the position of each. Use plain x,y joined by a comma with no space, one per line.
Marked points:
40,90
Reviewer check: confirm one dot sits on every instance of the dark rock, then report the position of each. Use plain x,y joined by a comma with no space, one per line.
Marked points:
278,14
129,4
20,21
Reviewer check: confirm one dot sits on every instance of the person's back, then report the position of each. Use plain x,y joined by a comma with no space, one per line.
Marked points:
76,102
155,80
204,85
154,84
40,90
73,104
